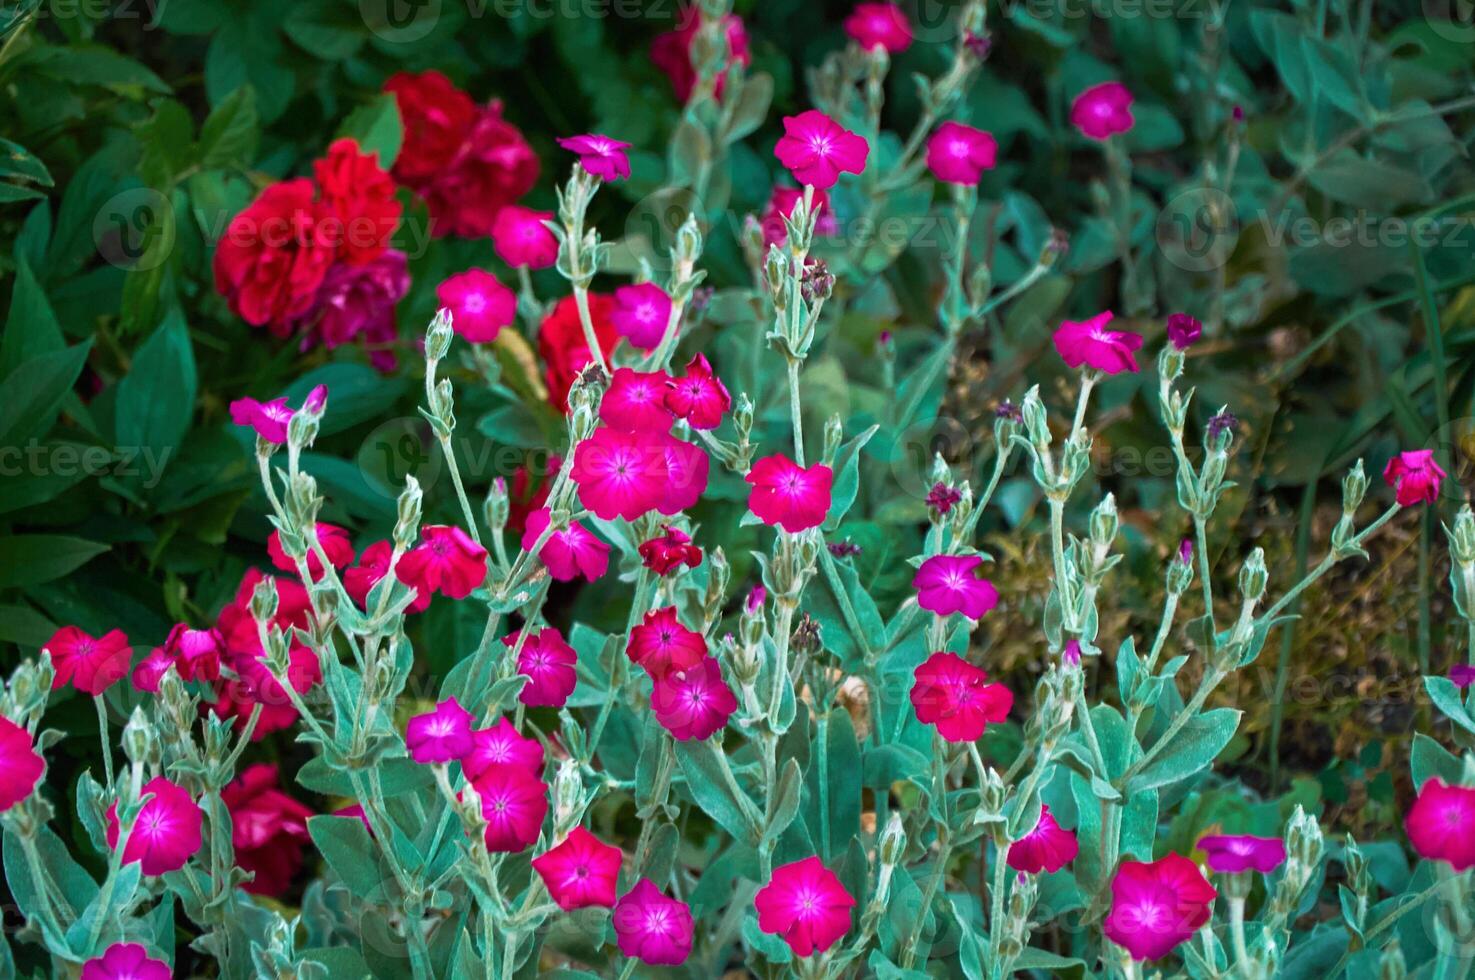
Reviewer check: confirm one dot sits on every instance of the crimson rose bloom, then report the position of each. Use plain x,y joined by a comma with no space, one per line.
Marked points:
561,343
274,255
437,119
268,829
494,167
360,196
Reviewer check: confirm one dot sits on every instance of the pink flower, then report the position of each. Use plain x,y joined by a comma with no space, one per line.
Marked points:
90,665
358,301
167,832
693,703
446,560
1157,905
671,53
817,150
501,745
581,872
880,26
236,624
1184,331
125,961
670,549
698,396
1091,343
620,474
1049,847
954,695
270,419
513,803
151,670
196,653
660,644
786,495
480,305
958,154
334,540
651,927
1441,824
21,766
268,829
642,313
1232,854
492,168
569,553
600,156
949,584
1415,476
781,204
442,735
804,904
549,664
687,472
373,565
1463,675
522,240
1102,110
636,401
254,685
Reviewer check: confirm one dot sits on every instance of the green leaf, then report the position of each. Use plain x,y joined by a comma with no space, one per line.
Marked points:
31,327
32,395
751,109
397,776
833,785
157,397
18,162
1446,697
330,30
30,559
785,800
1428,759
231,131
847,478
346,846
1191,751
709,781
377,128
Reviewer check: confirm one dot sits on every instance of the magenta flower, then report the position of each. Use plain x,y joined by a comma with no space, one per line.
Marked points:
270,419
21,766
671,52
501,745
1157,905
358,301
446,560
167,832
687,471
958,154
1463,675
781,204
955,696
1441,824
480,305
880,26
804,904
196,653
442,735
549,665
1093,344
693,703
522,240
620,474
373,565
569,553
753,604
698,396
1415,476
949,584
600,156
1232,854
151,670
1071,655
513,803
1049,847
670,549
91,665
581,872
817,150
784,494
641,314
660,644
1184,331
636,401
334,540
941,498
1102,111
651,927
125,961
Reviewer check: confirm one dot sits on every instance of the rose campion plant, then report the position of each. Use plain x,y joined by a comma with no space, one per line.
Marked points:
715,768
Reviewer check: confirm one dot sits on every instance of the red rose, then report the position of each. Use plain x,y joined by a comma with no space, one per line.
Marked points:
562,347
437,118
361,197
493,169
274,255
268,829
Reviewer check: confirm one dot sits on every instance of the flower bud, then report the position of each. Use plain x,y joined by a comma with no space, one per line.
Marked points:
688,246
1170,364
776,273
893,841
1462,537
438,336
140,740
1035,423
980,286
1391,965
498,506
1219,433
443,408
1354,486
719,574
1180,568
834,435
1252,576
568,798
264,600
407,523
1104,523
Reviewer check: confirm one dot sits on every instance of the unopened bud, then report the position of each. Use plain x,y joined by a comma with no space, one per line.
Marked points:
264,600
140,740
1104,523
407,522
1462,537
1253,577
1354,487
1035,423
776,276
498,505
438,336
834,435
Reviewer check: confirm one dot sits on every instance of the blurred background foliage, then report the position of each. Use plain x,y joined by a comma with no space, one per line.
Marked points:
1325,240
